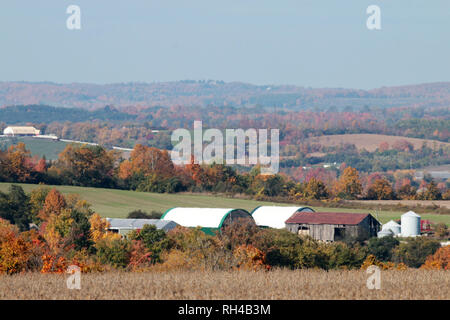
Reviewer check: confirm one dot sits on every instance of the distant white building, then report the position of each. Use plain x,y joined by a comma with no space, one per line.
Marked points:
21,131
124,226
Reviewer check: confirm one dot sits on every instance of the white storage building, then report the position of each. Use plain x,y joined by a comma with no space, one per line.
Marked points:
209,219
21,131
124,226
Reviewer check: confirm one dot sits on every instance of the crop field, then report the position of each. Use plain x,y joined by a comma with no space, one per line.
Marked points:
192,285
370,141
118,203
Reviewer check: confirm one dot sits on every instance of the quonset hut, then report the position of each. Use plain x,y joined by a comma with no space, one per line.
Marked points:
274,216
210,220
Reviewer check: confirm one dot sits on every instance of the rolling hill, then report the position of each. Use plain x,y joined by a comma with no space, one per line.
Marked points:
118,203
219,93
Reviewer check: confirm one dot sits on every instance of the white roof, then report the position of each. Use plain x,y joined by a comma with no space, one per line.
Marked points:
410,214
132,224
198,217
385,232
275,216
390,224
21,130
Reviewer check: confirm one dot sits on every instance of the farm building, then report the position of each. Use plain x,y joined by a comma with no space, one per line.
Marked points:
393,227
209,219
21,131
333,226
124,226
275,217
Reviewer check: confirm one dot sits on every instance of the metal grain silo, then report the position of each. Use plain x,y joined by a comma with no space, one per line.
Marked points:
385,233
410,224
393,226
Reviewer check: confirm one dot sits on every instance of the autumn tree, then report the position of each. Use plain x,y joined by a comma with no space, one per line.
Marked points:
37,201
381,189
99,227
146,160
440,260
54,203
315,189
349,185
17,163
86,165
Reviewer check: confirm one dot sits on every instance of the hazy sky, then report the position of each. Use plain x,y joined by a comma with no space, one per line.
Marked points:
317,43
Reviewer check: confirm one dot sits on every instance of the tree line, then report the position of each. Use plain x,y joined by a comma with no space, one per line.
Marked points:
149,169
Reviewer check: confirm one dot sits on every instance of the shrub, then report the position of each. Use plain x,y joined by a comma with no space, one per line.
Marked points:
250,258
382,248
439,261
114,252
340,255
153,239
139,214
415,251
441,230
14,249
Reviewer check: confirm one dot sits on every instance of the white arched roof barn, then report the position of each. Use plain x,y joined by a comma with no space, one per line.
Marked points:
275,216
209,219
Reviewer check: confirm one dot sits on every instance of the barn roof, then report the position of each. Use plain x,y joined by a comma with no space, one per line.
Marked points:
200,217
21,130
127,224
275,216
327,218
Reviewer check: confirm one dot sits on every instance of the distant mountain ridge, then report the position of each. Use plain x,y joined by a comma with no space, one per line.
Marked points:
218,93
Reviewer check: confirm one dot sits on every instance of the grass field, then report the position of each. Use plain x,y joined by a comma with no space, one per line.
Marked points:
194,285
369,141
118,203
40,147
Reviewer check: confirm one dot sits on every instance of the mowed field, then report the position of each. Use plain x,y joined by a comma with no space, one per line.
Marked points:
234,285
118,203
370,142
38,147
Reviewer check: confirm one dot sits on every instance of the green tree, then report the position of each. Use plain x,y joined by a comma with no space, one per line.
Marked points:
382,248
15,207
139,214
415,251
154,239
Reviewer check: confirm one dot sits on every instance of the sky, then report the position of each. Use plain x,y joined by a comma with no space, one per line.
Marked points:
309,43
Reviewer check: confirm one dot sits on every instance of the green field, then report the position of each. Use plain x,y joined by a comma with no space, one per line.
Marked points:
38,147
118,203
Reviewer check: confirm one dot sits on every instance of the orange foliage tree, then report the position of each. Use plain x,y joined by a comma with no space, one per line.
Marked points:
349,185
54,204
440,260
147,160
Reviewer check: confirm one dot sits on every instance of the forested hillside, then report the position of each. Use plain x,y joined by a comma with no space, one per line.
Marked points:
219,93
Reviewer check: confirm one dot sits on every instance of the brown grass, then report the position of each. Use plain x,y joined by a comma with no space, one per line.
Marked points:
370,141
277,284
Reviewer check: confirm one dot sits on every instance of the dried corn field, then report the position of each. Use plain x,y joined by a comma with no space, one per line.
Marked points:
277,284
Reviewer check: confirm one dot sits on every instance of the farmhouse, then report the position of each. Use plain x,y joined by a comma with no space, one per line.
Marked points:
209,220
124,226
275,217
21,131
333,226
